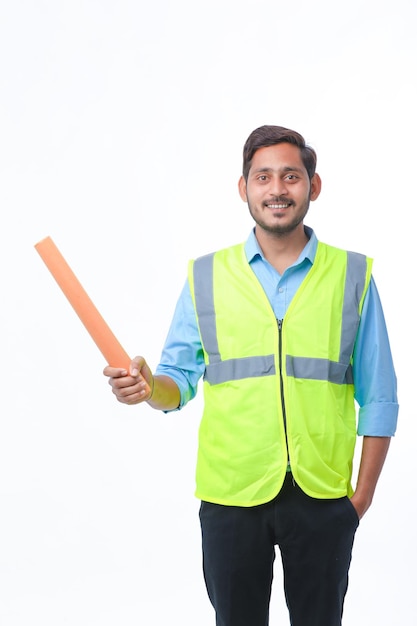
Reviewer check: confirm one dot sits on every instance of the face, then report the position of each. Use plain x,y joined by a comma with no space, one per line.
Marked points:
278,190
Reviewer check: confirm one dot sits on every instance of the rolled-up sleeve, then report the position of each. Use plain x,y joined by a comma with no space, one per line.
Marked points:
182,357
373,371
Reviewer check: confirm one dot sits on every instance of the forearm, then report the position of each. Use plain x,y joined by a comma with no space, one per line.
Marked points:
165,394
374,452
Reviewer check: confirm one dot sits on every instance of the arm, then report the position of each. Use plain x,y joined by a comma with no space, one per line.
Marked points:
140,385
374,452
376,394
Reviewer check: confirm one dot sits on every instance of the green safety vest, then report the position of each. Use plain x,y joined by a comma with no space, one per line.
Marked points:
277,392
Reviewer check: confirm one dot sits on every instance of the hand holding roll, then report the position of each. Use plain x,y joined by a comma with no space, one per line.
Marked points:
98,329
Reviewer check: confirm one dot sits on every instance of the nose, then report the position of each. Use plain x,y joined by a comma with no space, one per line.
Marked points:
278,186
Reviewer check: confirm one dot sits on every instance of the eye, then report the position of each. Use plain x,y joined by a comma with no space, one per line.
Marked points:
292,178
262,178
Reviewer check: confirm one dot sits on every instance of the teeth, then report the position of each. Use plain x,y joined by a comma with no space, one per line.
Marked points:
278,206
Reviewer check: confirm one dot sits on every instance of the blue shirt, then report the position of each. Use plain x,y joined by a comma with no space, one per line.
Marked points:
182,357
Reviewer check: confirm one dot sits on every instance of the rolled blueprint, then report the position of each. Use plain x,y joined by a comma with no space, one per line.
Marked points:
100,332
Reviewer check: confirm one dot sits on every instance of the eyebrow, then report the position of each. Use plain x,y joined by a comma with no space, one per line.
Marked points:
287,168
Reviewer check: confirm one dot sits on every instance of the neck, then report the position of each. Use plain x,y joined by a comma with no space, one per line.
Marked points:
281,250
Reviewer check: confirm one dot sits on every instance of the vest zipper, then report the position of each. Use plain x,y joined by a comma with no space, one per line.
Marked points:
281,384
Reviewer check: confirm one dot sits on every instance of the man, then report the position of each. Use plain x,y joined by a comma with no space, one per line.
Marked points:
288,332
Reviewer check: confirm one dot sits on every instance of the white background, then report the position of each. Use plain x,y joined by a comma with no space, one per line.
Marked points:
121,130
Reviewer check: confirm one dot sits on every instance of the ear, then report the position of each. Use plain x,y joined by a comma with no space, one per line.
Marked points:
315,187
242,189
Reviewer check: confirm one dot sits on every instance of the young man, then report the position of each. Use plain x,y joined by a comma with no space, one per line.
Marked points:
288,332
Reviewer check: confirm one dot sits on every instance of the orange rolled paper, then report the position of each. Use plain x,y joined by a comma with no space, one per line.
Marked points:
105,340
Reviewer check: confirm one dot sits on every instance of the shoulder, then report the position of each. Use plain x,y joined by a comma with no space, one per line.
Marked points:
222,252
325,249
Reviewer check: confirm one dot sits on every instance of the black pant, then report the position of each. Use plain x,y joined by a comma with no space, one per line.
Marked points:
315,538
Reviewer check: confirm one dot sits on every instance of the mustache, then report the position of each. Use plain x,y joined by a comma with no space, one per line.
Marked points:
278,200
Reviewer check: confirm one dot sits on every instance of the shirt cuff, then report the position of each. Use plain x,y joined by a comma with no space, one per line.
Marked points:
378,419
180,381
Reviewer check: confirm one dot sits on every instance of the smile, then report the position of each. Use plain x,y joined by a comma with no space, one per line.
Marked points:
277,206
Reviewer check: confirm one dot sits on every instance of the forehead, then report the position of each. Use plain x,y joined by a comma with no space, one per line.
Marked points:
278,157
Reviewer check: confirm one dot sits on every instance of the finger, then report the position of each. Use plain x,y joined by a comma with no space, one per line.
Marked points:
114,372
123,382
130,394
140,369
136,365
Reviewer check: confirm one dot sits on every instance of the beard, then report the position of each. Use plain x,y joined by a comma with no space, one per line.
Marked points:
277,228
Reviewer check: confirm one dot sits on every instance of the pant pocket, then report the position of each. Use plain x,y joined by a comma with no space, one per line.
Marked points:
352,511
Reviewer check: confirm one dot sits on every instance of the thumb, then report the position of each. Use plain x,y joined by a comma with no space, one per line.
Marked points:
136,365
139,368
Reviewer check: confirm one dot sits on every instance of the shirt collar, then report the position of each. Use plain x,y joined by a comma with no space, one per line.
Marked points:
253,250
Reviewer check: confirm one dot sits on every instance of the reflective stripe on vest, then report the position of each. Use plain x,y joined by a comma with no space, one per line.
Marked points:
256,366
